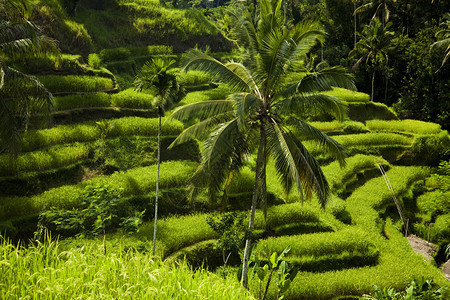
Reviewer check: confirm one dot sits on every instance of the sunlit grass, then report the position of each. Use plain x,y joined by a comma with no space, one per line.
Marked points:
46,271
411,126
90,131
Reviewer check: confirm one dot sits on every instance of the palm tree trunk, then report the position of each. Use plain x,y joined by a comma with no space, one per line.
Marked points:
248,241
157,182
373,85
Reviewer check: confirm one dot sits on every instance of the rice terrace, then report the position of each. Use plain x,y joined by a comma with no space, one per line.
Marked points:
229,149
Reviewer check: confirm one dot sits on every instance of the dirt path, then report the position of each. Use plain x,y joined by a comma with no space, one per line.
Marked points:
427,250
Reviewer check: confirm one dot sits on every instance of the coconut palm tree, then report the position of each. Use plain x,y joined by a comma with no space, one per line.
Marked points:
443,37
372,48
155,74
19,93
267,109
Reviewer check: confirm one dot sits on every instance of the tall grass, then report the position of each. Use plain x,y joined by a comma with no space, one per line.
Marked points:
52,157
45,271
83,132
75,83
411,126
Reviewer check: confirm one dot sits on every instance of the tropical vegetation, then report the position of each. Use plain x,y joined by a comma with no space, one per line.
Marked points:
78,197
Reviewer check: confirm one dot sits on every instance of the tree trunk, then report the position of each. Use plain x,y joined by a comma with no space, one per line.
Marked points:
157,181
373,85
248,241
354,21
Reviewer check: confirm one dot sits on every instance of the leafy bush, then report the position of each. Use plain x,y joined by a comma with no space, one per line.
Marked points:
95,214
418,288
74,83
412,126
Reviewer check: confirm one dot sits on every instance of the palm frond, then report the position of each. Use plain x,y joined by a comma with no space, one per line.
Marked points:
245,105
200,130
321,81
219,160
198,60
295,164
201,110
328,144
312,105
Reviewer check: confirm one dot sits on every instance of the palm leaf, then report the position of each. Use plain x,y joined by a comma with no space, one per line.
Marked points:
309,132
198,60
201,110
312,105
200,130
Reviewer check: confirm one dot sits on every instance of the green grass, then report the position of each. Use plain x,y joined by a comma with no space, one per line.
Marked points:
397,263
337,176
194,78
135,181
75,83
348,96
317,244
50,158
83,132
410,126
364,201
130,98
374,139
47,271
81,101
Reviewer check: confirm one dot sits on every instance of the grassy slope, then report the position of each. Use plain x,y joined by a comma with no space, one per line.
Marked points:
109,24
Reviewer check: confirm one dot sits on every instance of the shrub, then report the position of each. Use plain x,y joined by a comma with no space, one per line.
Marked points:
73,83
412,126
150,50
